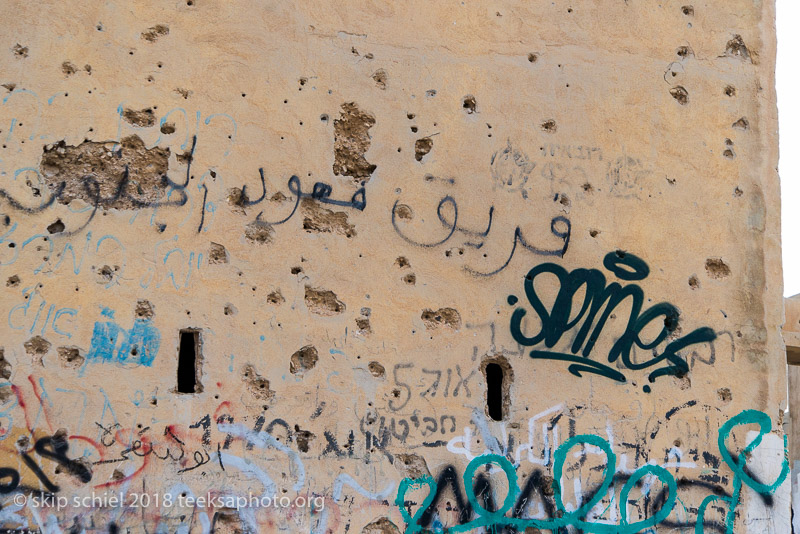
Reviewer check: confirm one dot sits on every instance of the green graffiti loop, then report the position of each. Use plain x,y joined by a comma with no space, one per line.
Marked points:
577,518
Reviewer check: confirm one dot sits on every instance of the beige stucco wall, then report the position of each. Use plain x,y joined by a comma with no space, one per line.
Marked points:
621,155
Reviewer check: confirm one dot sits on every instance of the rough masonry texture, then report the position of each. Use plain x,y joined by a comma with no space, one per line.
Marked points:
380,267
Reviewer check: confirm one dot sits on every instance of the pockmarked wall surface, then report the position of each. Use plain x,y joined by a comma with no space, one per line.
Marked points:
384,267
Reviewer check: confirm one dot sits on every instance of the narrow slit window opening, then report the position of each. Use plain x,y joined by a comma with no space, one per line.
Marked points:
188,348
494,391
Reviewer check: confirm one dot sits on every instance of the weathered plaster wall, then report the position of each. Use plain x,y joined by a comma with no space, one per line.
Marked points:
356,212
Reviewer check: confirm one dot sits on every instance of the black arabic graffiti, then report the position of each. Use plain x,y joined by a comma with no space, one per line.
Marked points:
519,239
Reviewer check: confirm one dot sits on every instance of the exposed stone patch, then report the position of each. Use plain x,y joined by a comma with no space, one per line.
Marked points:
680,94
323,302
259,231
144,118
144,310
36,347
421,147
167,128
448,317
351,140
303,360
402,261
742,124
404,211
153,33
5,366
56,228
94,169
376,369
70,357
319,219
380,526
256,384
20,51
716,268
469,104
303,438
411,465
736,48
217,254
380,78
13,281
68,68
275,297
549,126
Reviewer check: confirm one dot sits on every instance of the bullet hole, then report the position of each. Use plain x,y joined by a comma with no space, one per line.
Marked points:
323,302
105,275
142,118
303,360
376,369
410,116
402,261
404,211
736,48
70,357
380,77
20,51
217,254
302,438
168,128
694,283
569,10
737,192
688,10
549,126
189,356
587,187
717,269
68,68
275,297
189,2
728,153
684,52
469,104
594,233
410,279
532,57
680,95
144,310
36,347
153,33
351,140
499,376
56,227
724,395
256,385
730,90
130,53
409,466
324,117
422,147
230,310
13,281
296,270
430,93
150,79
259,231
317,219
741,124
447,317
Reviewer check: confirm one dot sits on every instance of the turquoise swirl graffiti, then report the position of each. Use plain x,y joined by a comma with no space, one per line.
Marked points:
577,518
